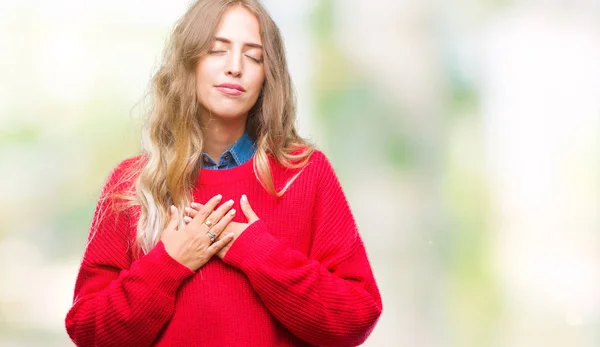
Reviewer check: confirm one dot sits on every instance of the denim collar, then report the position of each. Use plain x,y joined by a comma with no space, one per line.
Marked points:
239,153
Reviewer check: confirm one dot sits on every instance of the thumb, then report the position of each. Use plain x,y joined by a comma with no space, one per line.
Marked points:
247,209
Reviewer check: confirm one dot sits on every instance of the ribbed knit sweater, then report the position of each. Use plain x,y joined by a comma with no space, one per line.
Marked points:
299,276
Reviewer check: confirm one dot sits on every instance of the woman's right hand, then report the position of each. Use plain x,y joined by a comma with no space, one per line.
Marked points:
192,246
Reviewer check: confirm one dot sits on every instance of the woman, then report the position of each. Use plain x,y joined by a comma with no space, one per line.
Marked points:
170,261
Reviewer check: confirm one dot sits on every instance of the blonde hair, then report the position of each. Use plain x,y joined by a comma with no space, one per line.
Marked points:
172,138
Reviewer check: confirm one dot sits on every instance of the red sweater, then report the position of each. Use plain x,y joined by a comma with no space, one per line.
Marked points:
297,277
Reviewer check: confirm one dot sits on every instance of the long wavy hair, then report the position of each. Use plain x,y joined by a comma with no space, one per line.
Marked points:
172,137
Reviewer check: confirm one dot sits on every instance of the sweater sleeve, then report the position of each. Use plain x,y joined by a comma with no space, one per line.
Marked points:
117,301
329,298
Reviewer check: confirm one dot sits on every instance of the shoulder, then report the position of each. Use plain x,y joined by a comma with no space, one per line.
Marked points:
122,176
319,157
135,163
128,166
318,169
309,166
129,163
321,164
305,159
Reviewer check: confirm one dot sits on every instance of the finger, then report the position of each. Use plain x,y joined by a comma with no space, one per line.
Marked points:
191,212
173,221
206,210
196,206
247,209
187,219
215,247
223,222
217,215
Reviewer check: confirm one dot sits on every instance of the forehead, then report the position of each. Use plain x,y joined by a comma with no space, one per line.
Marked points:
238,24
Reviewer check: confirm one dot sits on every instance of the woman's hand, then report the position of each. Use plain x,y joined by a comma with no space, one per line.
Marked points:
193,246
232,228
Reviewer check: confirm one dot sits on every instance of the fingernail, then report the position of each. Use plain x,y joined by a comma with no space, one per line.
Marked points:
244,198
188,210
194,204
173,208
230,235
219,197
232,211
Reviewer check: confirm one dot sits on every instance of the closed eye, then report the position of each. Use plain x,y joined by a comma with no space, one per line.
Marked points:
256,60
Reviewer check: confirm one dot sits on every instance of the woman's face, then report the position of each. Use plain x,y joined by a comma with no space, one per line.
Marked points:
230,77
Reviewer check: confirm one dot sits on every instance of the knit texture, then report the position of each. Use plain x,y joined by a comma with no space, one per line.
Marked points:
299,276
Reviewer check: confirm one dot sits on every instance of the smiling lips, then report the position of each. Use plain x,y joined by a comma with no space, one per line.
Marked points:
231,89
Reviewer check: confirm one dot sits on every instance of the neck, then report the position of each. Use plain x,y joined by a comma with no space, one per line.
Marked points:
220,134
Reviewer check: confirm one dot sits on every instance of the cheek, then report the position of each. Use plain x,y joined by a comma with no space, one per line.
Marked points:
201,74
257,79
207,70
203,81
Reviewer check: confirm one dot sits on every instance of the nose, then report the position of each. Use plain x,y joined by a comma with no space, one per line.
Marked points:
234,65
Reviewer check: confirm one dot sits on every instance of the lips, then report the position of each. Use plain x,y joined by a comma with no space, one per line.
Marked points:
232,86
231,89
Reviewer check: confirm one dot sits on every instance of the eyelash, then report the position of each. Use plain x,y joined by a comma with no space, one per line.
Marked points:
258,61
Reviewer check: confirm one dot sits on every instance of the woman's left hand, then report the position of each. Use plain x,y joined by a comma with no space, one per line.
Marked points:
233,227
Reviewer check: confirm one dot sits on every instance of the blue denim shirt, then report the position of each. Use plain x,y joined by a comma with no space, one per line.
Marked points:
239,153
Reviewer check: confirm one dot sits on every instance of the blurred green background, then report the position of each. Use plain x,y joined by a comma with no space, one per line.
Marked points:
465,134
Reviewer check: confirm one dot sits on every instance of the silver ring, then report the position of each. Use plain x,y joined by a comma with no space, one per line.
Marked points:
208,223
211,236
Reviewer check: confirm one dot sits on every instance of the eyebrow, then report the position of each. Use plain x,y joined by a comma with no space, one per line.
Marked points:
249,44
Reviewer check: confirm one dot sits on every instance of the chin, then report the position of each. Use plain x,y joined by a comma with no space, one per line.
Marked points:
228,112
